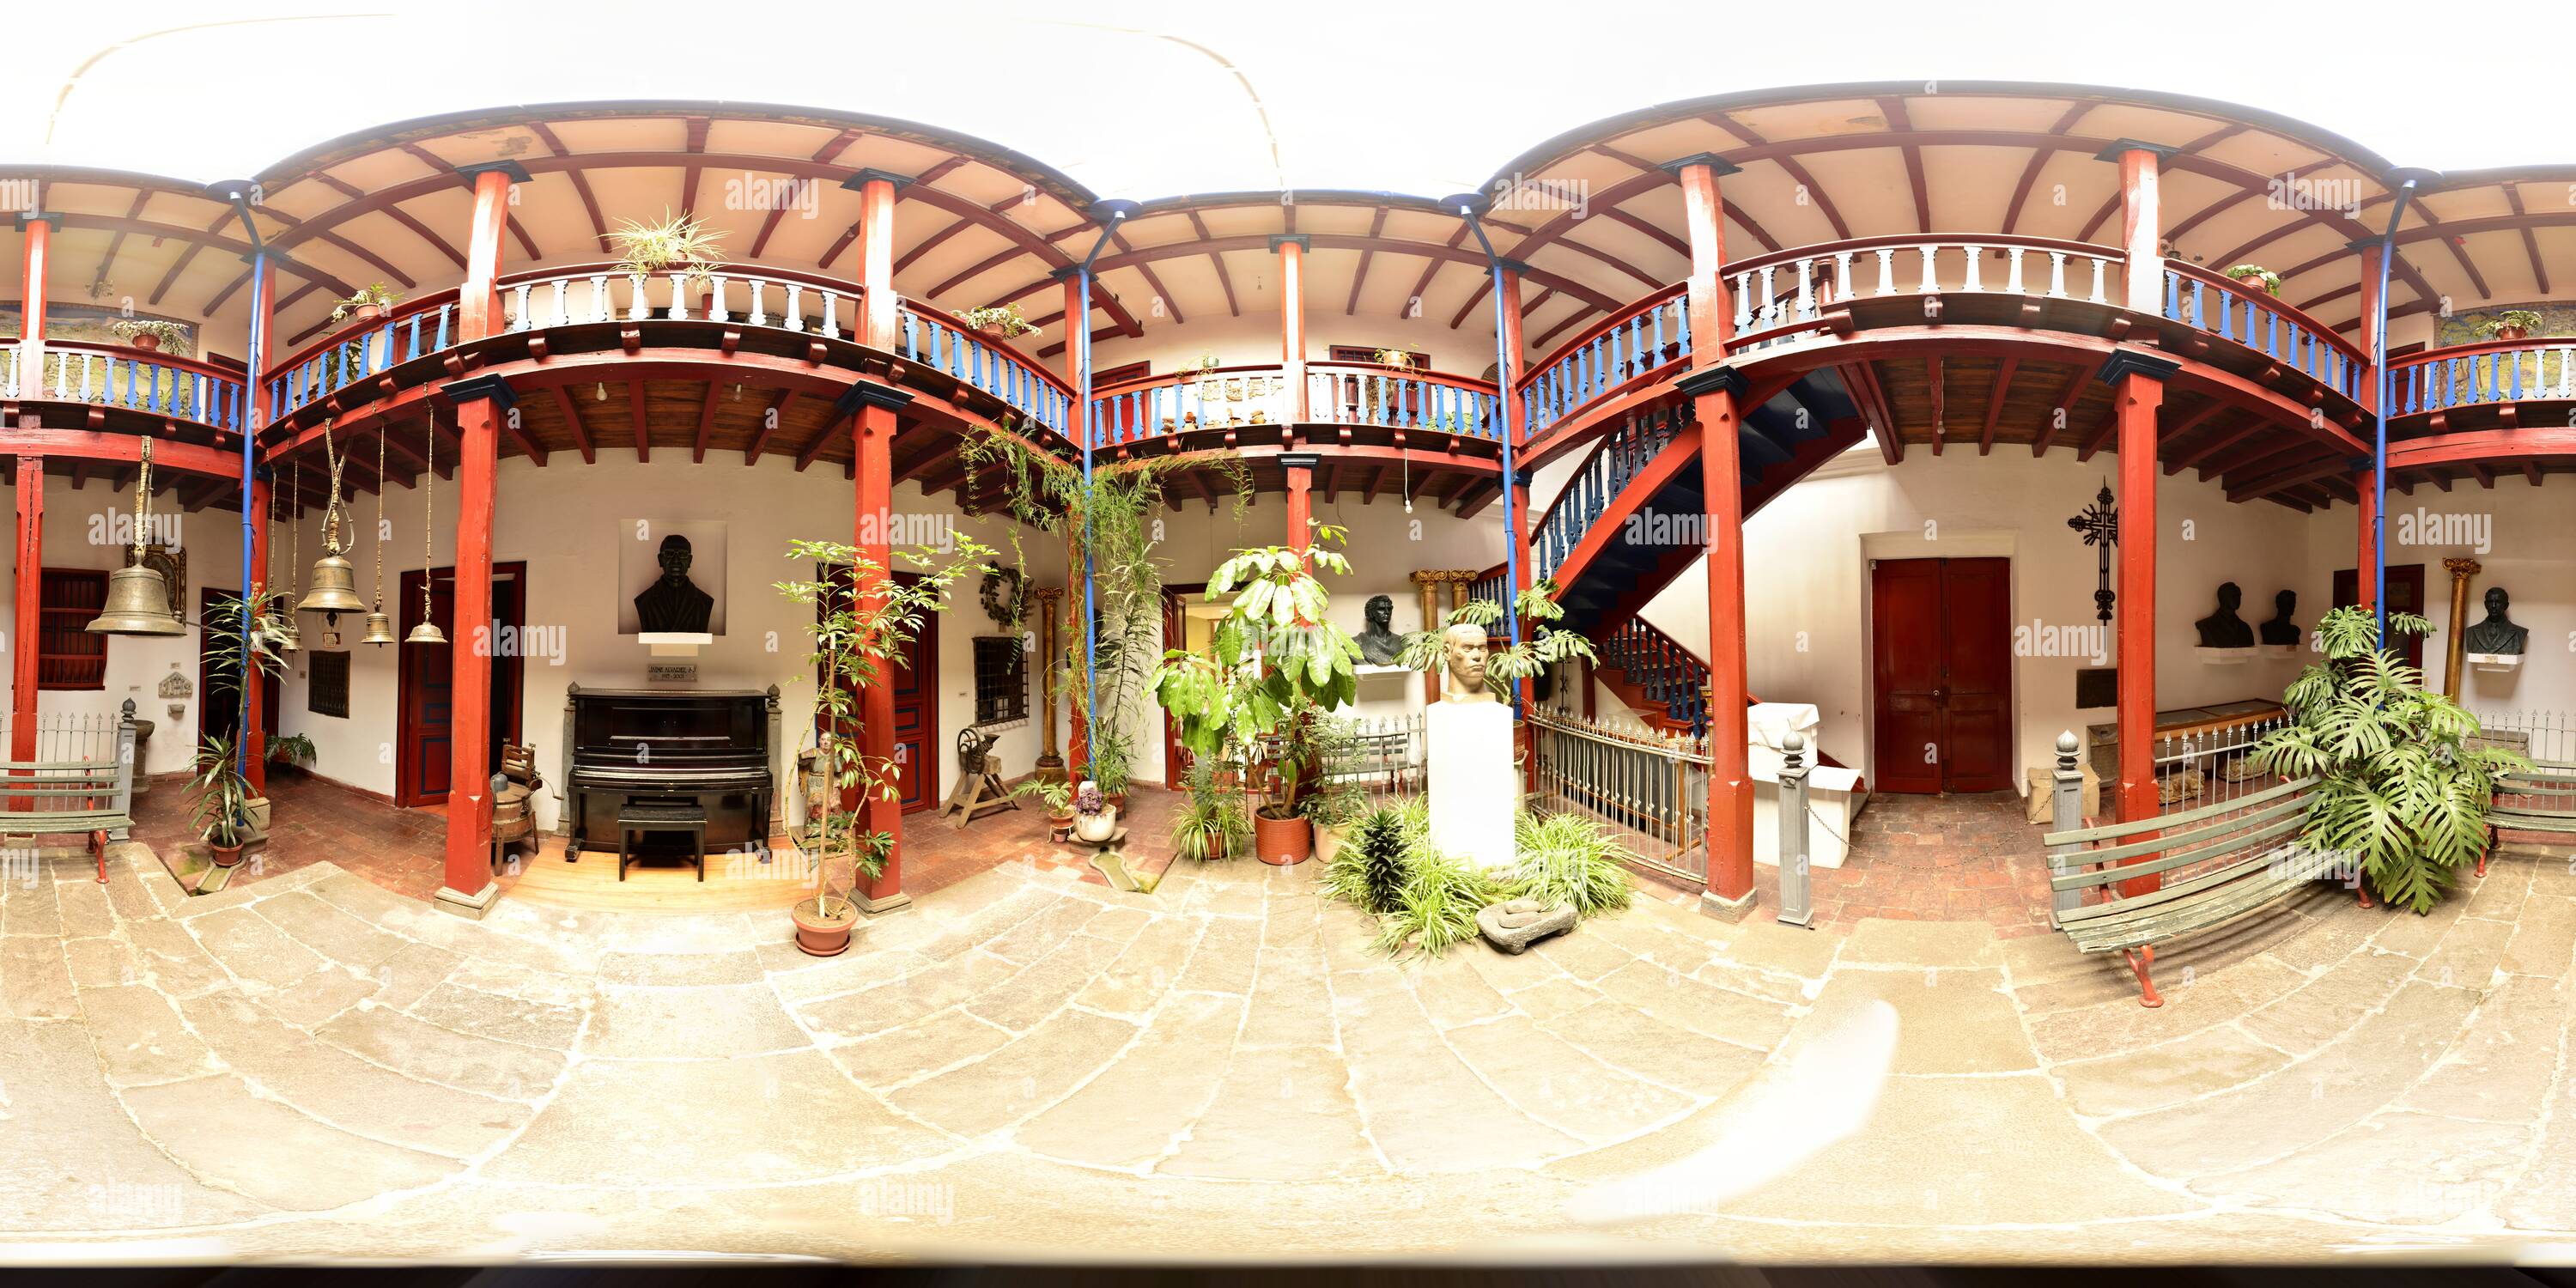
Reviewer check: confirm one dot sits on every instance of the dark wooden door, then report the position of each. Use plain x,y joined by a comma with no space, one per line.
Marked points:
426,677
2405,595
916,705
218,701
1941,671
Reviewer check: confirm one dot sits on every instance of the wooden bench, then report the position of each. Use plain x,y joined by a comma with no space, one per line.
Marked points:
58,797
2541,799
2243,855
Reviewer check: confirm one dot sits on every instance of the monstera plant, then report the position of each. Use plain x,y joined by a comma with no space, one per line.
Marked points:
2401,791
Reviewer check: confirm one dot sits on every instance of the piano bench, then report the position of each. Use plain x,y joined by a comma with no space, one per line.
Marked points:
640,817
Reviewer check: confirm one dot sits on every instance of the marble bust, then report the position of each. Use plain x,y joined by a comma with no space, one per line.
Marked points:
2281,630
674,604
1379,644
2224,629
2497,634
1462,665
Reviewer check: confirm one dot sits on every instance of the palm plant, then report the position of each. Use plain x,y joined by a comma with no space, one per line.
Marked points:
221,813
675,241
1369,871
1003,320
2400,792
1543,647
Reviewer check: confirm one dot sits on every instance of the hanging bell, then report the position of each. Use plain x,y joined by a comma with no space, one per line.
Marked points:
288,638
335,588
138,603
426,633
380,629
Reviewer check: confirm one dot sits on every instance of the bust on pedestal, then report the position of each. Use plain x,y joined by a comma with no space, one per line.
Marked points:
1475,796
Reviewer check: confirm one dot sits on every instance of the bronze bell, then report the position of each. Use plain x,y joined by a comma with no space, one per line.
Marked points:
138,603
380,629
334,588
426,633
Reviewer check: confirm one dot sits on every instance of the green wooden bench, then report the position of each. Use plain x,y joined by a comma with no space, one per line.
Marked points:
91,797
2541,799
2227,860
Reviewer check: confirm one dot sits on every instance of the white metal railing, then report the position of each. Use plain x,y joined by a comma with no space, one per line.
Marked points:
754,299
1776,295
1652,788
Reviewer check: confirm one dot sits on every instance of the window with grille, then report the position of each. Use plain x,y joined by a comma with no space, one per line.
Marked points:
68,656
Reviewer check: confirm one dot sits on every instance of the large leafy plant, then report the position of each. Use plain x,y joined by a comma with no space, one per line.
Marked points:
1280,664
856,637
2400,792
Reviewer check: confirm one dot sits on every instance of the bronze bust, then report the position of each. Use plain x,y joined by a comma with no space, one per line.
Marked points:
2224,629
2497,634
674,605
2281,630
1379,644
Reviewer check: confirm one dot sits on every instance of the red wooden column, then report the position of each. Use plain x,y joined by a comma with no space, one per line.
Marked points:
1714,388
2366,481
1291,249
254,722
1074,316
481,403
31,595
880,325
873,410
38,244
1300,467
478,300
2137,378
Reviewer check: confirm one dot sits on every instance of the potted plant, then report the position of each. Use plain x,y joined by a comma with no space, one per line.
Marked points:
293,750
153,335
1058,795
677,242
1112,750
1094,819
257,627
2256,277
2402,793
1396,358
1280,665
1001,321
2512,324
222,811
368,304
1333,800
1210,825
857,636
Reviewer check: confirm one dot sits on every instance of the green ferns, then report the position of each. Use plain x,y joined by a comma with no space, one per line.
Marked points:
1425,901
2400,791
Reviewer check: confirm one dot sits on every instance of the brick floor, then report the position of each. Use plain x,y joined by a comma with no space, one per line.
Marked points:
314,820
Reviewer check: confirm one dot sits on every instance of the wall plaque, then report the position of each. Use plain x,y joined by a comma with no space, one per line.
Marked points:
671,672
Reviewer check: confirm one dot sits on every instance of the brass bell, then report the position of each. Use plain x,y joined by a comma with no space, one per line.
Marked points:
138,603
334,590
288,638
426,633
380,629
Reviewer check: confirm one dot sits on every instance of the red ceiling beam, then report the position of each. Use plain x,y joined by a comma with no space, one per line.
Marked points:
398,215
2038,162
1359,276
1995,405
572,421
635,412
769,423
2066,400
581,185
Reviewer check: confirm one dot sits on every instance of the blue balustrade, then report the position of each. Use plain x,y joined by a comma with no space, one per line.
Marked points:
2526,371
1652,334
2267,326
973,360
1615,461
136,380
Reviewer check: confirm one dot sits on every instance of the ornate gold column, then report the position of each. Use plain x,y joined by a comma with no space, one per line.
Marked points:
2461,570
1428,582
1050,765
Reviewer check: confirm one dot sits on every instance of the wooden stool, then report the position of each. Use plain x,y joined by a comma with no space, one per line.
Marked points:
642,817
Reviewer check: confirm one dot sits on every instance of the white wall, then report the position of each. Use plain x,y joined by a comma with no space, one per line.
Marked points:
77,535
2524,531
1807,581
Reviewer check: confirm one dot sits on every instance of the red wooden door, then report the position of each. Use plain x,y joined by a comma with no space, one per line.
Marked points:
916,711
1941,671
426,678
2405,595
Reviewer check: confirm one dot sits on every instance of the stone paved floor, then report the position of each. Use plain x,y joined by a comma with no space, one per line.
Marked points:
1028,1065
1972,857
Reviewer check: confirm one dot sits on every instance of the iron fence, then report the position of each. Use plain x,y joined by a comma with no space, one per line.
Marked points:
2212,766
1652,787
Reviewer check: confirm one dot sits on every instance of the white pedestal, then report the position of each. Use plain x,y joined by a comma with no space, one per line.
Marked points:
2495,661
676,643
1475,796
1834,798
2224,656
2279,650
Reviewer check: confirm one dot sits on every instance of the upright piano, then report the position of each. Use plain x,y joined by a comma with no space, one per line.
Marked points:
717,748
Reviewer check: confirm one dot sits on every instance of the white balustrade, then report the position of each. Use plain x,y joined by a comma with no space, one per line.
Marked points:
734,296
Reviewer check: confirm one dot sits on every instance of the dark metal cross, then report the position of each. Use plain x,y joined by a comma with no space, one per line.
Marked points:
2100,524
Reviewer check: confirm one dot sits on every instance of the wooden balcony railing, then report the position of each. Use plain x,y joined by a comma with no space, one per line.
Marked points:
1783,294
2493,372
1643,338
361,349
2230,310
136,379
935,340
1337,393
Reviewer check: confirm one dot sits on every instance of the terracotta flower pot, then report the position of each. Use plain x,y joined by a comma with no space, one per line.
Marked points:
2511,333
2254,284
147,342
225,856
367,312
1282,842
822,933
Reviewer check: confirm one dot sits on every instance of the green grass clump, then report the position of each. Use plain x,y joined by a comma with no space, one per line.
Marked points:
1569,859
